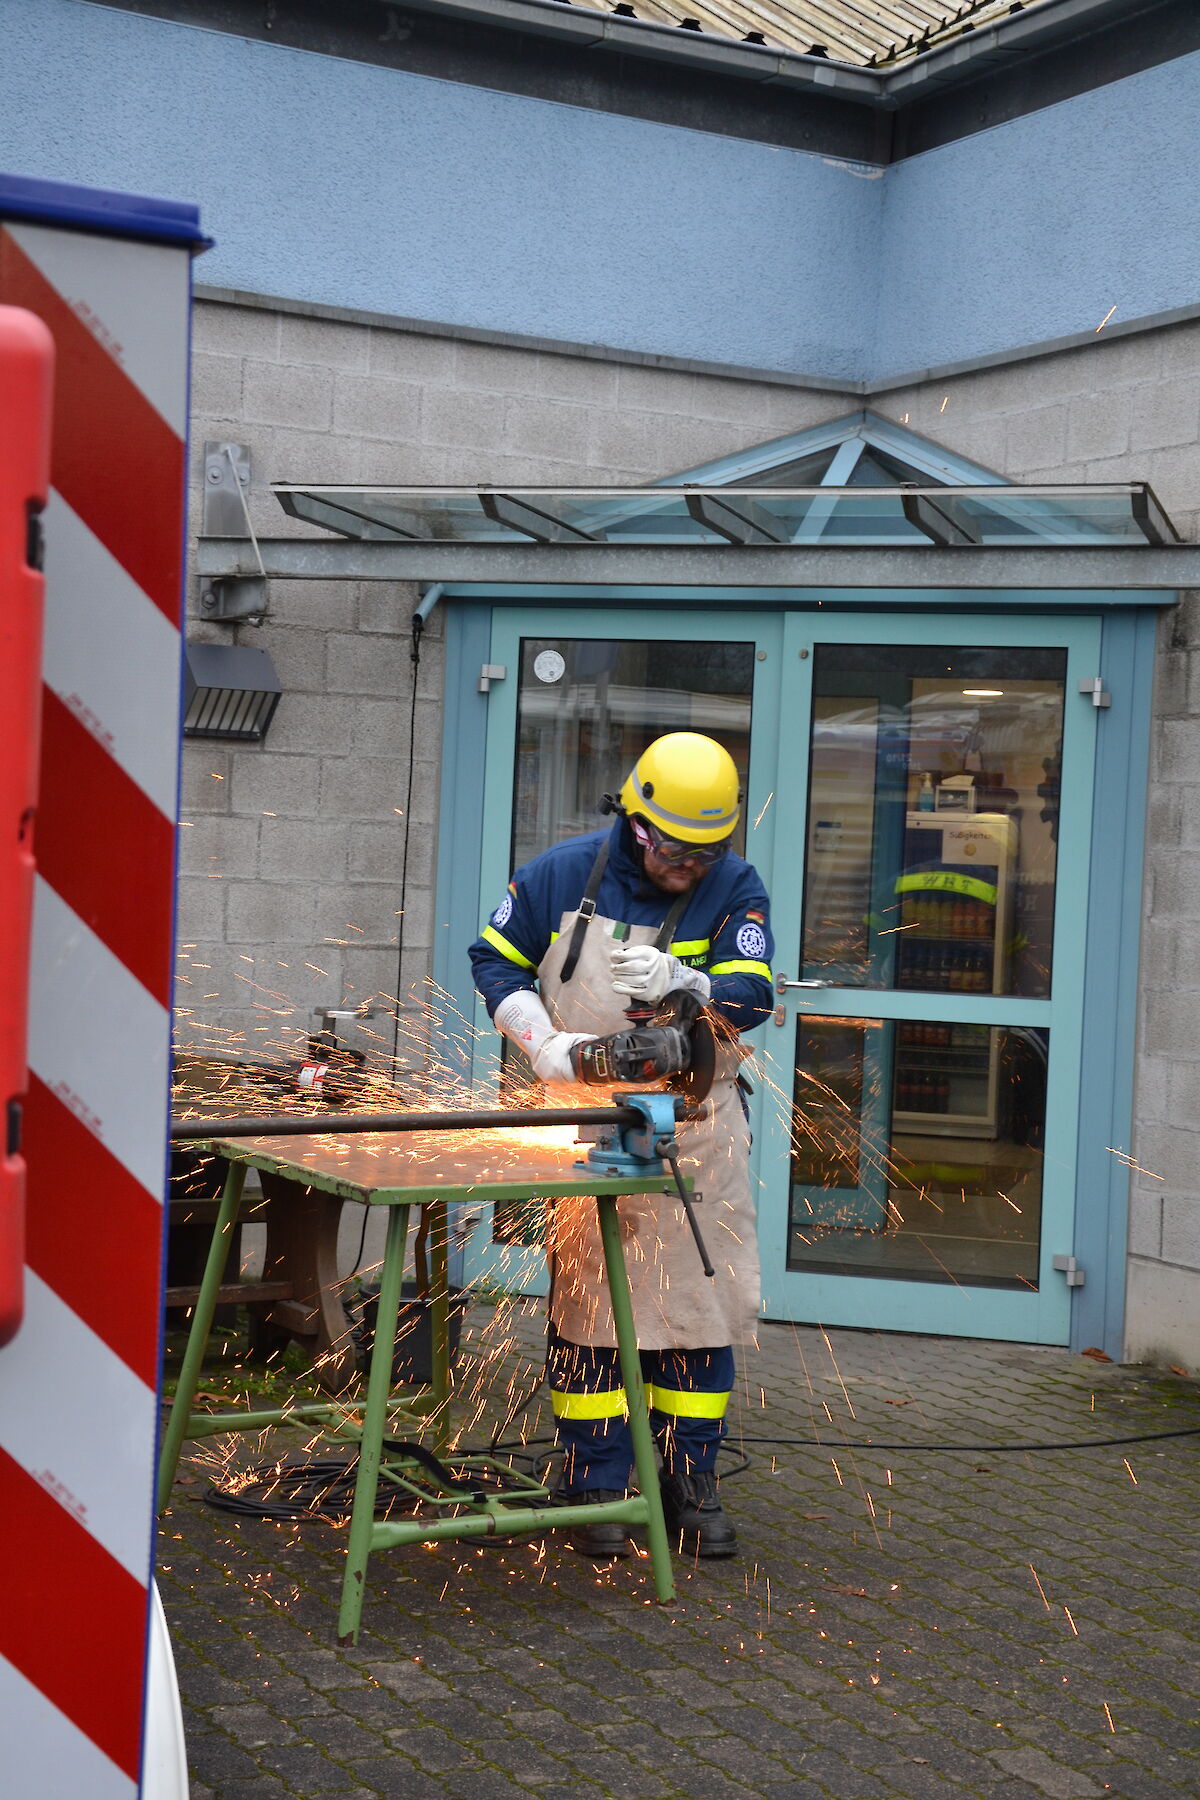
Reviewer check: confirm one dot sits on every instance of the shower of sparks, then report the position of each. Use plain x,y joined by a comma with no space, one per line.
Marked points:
1104,321
1131,1163
1108,1716
762,813
1041,1590
1070,1621
838,1373
945,404
1132,1476
416,1049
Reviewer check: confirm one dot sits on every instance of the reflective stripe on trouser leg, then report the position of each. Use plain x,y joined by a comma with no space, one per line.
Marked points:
688,1391
590,1415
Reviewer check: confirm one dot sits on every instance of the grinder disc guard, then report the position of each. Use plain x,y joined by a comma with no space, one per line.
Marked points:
695,1082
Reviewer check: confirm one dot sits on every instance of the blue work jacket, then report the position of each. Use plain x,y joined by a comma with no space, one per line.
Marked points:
725,928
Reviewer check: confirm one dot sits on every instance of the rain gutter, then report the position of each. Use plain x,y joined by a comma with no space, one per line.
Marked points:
586,29
963,58
1019,36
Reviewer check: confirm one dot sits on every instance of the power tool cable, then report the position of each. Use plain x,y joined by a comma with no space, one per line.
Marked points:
324,1487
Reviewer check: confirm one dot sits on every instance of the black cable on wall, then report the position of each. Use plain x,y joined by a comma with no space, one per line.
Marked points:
418,626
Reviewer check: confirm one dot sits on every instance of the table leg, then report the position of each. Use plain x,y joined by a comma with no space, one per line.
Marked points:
202,1318
635,1395
439,1322
379,1387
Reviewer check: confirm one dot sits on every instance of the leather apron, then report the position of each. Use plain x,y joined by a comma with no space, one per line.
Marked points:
675,1305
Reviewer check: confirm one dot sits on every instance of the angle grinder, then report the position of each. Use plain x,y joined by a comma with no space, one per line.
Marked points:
674,1041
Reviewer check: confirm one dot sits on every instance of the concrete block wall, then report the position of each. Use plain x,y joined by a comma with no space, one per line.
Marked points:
292,851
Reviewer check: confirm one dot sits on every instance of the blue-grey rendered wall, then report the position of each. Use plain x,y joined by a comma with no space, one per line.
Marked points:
1038,228
357,186
333,181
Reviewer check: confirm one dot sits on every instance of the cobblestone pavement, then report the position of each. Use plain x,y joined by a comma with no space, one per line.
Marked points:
915,1622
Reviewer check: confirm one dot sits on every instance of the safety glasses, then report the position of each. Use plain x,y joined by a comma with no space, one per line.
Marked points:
676,851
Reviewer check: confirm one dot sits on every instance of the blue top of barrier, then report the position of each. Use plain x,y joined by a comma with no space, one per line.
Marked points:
97,209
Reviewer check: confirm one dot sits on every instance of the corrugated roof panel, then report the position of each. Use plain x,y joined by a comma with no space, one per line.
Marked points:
852,31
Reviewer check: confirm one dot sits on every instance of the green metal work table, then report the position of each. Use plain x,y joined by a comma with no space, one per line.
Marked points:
432,1169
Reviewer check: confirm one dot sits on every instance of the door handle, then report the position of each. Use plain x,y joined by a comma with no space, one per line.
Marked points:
783,984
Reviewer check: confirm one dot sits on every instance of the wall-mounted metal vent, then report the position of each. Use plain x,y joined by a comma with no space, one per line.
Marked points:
229,692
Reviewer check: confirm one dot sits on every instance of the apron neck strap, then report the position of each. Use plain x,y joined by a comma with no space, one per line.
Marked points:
583,918
667,929
587,908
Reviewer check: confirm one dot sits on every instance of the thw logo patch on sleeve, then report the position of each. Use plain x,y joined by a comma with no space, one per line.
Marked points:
752,942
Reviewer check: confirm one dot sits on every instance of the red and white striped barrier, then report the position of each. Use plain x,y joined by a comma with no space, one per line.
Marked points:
78,1383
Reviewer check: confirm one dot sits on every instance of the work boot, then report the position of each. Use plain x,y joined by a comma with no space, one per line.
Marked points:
605,1537
695,1519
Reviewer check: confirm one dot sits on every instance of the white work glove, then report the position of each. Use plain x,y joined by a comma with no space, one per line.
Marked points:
525,1022
645,973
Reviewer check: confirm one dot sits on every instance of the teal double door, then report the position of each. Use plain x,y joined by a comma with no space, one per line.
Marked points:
918,800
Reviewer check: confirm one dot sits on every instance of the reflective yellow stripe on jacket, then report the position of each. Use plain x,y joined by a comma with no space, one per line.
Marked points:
493,937
742,968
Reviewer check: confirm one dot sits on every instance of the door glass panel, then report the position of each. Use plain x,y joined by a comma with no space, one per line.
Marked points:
933,818
917,1151
587,709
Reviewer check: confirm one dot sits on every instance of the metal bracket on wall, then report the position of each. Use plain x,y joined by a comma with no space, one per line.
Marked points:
1067,1265
1093,686
225,513
226,484
235,599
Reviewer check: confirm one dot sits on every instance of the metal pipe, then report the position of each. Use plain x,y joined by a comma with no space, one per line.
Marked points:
428,601
317,1124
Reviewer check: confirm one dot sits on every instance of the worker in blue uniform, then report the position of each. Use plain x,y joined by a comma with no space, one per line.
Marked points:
653,906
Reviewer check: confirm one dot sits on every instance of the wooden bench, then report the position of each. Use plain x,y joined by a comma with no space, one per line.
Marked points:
297,1298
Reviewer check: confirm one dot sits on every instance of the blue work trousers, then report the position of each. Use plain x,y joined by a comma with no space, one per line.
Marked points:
687,1392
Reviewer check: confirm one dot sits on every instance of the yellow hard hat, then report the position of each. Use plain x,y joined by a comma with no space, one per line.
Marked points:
686,785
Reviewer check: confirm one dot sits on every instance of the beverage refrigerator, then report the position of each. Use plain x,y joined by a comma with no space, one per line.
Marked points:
955,901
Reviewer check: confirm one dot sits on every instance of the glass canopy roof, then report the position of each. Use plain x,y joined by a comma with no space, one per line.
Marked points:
990,515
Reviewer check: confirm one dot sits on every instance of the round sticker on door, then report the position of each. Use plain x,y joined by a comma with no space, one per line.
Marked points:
503,912
549,665
752,941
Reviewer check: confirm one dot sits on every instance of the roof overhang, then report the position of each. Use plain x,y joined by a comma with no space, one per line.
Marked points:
1139,572
966,57
702,538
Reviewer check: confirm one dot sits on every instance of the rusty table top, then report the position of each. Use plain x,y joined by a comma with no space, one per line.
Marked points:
411,1168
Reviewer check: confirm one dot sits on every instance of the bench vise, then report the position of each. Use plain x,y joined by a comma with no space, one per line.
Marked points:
624,1148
